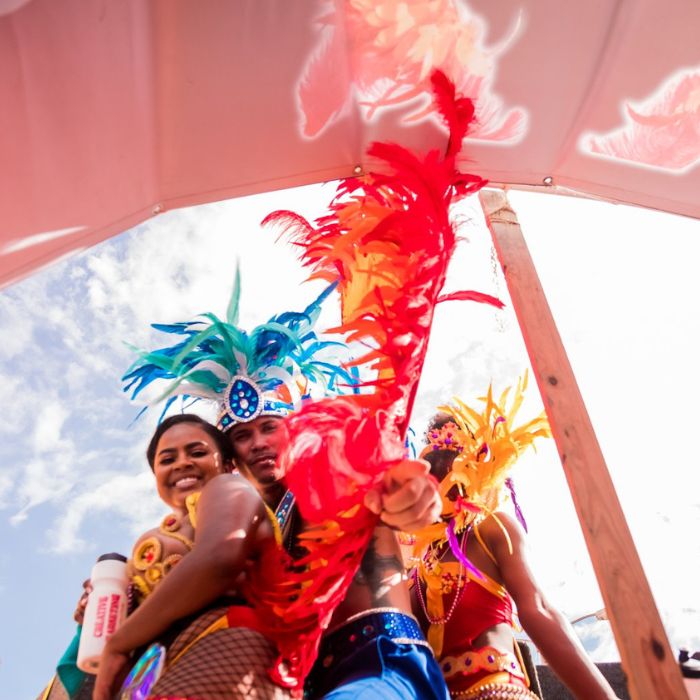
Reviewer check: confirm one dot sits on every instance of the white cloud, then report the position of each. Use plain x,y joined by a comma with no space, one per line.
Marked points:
130,498
16,327
6,485
598,640
47,430
20,405
43,480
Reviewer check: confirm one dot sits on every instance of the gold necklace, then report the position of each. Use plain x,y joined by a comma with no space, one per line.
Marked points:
459,592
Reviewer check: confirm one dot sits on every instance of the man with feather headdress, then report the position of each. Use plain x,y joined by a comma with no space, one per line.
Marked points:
386,243
259,379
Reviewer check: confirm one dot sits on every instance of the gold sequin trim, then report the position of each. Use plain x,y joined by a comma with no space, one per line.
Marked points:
495,691
147,553
171,524
170,561
486,659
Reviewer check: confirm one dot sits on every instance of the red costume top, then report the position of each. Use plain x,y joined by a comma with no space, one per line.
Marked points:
478,609
468,602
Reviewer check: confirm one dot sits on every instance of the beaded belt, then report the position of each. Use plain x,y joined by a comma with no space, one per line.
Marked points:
487,689
484,659
360,629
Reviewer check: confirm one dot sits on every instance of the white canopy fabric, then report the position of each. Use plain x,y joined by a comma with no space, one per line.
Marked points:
111,112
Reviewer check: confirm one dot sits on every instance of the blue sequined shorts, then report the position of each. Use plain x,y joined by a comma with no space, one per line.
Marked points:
380,654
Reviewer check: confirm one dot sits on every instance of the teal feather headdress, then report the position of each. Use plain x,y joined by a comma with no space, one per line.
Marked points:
268,371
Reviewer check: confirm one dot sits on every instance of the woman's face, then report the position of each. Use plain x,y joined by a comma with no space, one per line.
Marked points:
186,458
440,462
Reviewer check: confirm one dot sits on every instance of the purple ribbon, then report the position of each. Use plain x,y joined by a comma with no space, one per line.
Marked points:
518,513
457,551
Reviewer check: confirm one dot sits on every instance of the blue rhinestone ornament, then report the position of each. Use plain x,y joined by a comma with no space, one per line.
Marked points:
243,402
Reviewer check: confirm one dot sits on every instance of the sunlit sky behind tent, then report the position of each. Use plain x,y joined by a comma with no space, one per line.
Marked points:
74,483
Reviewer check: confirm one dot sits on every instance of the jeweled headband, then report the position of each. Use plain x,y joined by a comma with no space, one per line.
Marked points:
447,437
244,401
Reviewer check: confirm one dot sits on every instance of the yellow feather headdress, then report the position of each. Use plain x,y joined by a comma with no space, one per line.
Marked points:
487,444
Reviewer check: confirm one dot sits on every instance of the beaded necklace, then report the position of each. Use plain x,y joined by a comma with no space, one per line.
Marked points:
458,593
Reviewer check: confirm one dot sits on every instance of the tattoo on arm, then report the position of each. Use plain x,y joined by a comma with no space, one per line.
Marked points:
379,572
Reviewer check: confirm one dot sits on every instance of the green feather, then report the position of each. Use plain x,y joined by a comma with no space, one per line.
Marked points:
232,309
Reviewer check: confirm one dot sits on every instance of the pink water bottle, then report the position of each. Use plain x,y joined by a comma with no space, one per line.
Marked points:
105,610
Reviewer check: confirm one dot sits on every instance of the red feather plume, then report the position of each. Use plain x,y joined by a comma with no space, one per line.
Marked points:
472,296
388,239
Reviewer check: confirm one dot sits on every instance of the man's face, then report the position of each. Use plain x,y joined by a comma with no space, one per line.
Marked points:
257,446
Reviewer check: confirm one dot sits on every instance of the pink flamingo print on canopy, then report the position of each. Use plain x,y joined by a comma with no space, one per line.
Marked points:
383,53
662,132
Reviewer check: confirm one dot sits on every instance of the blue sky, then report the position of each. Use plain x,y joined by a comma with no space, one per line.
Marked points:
74,483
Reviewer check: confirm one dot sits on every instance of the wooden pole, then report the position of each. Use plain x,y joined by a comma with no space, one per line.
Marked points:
652,671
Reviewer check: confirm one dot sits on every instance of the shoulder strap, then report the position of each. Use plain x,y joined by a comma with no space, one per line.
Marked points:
487,582
484,546
191,504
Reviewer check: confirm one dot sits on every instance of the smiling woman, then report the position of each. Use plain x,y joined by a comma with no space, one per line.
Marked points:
186,574
184,453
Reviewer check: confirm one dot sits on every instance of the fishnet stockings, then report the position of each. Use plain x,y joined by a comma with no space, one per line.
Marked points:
229,664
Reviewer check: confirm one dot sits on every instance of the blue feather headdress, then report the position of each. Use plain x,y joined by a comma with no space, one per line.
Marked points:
268,371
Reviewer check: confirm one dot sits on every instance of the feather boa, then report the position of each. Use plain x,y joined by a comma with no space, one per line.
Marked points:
387,241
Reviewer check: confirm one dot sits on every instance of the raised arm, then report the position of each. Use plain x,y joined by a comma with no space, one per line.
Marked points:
230,521
544,624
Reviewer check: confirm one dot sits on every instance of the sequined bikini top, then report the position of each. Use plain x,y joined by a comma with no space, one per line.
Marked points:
149,563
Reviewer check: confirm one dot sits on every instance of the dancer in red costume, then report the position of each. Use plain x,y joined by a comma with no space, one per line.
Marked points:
472,567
